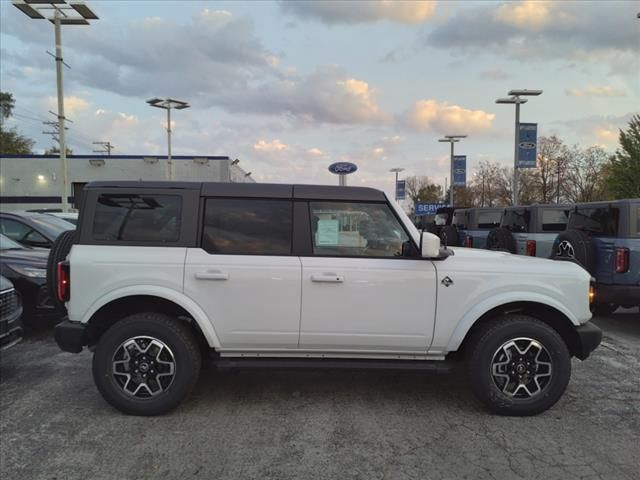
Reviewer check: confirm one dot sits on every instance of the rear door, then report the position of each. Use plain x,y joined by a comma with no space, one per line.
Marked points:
363,287
244,275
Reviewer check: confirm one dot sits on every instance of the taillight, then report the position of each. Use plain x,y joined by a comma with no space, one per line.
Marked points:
622,260
63,281
531,248
468,242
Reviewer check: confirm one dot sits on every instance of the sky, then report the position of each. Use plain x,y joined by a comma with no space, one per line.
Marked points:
290,87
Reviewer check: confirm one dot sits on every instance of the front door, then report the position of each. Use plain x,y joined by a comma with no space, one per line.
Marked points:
364,288
244,276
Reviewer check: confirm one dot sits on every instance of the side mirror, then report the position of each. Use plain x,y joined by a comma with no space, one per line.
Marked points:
429,245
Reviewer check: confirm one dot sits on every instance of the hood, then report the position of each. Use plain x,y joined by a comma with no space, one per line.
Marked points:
479,260
35,258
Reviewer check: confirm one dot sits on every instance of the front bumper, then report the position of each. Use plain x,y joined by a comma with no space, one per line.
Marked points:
589,337
11,330
623,295
70,336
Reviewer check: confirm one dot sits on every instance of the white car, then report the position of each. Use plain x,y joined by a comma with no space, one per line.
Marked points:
160,273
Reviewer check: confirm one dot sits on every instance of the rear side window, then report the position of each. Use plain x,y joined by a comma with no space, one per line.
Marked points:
248,226
554,220
489,220
137,218
595,220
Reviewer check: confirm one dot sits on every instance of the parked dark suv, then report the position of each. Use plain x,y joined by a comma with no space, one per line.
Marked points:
529,230
10,312
604,237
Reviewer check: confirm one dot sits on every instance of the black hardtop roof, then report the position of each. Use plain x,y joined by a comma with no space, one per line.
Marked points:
254,190
606,203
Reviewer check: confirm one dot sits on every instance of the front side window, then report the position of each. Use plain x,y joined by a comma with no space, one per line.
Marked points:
356,229
137,218
247,226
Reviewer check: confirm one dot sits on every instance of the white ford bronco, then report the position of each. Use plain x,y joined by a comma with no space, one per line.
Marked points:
161,275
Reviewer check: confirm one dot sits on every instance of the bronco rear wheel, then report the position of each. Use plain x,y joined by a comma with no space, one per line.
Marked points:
518,365
146,364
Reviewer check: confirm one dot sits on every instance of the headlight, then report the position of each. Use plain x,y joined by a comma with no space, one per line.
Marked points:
33,272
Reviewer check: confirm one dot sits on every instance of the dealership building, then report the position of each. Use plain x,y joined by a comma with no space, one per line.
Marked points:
34,181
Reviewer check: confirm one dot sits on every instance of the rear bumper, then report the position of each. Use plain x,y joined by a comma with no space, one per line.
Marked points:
70,336
625,295
589,337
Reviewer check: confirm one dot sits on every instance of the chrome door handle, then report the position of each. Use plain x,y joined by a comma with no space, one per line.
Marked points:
328,278
212,276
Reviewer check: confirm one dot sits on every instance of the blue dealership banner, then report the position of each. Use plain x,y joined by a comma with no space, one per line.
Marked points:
527,143
459,170
401,190
423,208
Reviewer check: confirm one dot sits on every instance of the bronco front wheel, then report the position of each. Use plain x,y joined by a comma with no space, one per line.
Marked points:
146,364
518,365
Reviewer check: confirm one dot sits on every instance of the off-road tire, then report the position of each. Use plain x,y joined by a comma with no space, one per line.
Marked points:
450,236
501,239
172,332
580,244
482,348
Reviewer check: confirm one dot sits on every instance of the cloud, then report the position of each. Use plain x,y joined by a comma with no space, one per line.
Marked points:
327,95
441,117
596,91
72,105
268,147
364,11
601,130
495,74
529,30
315,152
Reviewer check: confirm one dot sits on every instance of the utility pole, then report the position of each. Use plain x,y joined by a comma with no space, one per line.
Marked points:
107,147
64,13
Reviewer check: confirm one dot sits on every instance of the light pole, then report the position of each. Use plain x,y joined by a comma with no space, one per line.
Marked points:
167,104
517,101
396,170
64,13
451,139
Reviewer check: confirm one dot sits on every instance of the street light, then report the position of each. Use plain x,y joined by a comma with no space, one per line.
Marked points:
517,101
451,139
396,170
64,13
167,104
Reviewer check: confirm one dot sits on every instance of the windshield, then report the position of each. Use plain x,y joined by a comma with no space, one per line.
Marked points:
8,244
595,220
52,226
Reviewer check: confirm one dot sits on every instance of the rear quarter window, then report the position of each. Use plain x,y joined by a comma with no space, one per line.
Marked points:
595,220
554,220
137,218
489,220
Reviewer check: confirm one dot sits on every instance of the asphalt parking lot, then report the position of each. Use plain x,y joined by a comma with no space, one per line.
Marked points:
320,424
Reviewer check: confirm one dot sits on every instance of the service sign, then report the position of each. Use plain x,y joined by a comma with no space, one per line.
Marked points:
527,143
459,170
343,168
423,208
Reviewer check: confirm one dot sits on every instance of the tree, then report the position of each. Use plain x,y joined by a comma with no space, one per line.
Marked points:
420,189
551,168
486,183
622,172
11,142
584,174
54,150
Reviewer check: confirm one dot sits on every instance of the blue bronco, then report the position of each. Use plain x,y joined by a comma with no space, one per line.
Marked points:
604,237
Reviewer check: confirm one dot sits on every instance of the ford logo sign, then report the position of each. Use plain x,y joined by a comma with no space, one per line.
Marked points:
343,168
527,145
